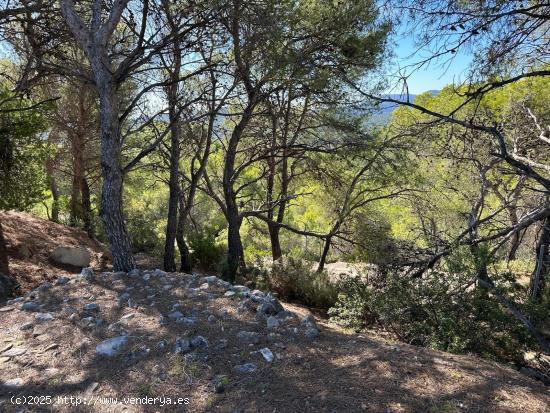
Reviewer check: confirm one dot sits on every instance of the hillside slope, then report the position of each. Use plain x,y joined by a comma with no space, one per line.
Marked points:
226,349
30,241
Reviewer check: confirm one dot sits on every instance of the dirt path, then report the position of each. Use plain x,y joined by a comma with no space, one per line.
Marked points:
329,372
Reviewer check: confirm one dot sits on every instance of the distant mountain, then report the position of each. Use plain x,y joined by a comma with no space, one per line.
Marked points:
382,113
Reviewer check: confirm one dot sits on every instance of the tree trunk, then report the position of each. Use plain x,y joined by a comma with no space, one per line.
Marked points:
111,210
172,219
234,244
4,266
324,254
185,256
7,284
173,184
515,240
276,252
87,216
74,214
53,188
542,268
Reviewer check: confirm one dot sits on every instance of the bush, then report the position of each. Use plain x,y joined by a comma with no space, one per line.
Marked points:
443,310
294,280
206,252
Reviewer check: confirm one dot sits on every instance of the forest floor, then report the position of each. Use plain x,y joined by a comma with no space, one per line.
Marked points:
30,241
187,336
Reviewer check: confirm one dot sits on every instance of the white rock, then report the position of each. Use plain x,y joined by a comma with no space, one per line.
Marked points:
75,256
268,355
43,317
112,346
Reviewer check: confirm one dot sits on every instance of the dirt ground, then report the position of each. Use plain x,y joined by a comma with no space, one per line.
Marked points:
53,364
335,372
30,241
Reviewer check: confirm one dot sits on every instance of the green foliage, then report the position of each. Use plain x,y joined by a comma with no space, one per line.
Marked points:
444,310
22,153
206,252
295,280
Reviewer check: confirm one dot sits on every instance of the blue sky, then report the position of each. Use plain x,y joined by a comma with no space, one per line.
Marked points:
432,77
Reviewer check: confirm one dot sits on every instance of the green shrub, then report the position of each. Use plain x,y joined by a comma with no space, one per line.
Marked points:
443,310
206,252
294,280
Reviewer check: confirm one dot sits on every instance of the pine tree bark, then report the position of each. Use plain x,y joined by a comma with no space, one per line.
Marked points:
94,41
55,193
234,245
173,184
537,282
7,284
185,256
87,216
111,210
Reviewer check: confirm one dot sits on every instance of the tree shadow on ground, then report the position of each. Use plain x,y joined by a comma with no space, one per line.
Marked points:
336,372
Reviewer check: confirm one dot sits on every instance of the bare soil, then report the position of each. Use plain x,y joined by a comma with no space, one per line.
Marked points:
30,241
338,371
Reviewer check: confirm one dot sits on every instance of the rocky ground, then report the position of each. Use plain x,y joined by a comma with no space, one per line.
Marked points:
92,342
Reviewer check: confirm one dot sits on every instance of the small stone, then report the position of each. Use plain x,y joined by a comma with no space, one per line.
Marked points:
212,318
182,345
240,289
272,322
187,321
311,333
175,315
199,342
249,337
266,308
91,388
14,352
26,326
30,306
134,273
6,348
45,286
308,321
43,317
124,297
146,277
245,368
6,309
230,294
267,354
159,273
87,273
13,382
73,317
52,346
91,308
112,346
275,303
126,318
62,281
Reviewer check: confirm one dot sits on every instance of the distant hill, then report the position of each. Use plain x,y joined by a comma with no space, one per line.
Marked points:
382,113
